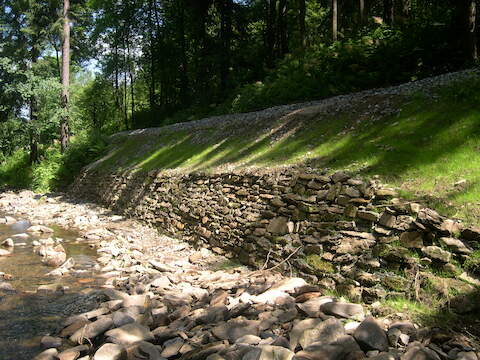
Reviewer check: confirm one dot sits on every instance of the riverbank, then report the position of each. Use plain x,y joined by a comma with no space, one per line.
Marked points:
165,299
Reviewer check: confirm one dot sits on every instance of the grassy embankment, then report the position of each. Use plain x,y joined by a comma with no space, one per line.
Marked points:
429,150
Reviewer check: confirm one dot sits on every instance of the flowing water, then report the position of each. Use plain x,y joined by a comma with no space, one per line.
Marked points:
25,315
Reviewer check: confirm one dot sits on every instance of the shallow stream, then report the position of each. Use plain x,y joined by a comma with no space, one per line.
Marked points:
25,315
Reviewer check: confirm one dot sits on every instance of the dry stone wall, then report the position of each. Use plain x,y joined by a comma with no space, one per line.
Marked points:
341,232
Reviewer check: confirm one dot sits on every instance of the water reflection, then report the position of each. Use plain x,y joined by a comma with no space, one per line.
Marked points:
25,316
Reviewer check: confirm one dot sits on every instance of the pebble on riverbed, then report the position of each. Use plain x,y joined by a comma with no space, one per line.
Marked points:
8,243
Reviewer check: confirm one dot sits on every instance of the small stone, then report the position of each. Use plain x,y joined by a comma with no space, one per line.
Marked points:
40,229
370,336
121,318
50,354
466,355
172,347
6,287
371,216
92,330
278,226
161,282
129,334
455,245
387,220
249,339
417,351
110,352
235,329
312,307
340,349
437,253
269,352
413,239
325,333
345,310
4,252
48,342
8,243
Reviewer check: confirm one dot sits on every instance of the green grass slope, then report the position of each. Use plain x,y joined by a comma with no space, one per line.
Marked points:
427,146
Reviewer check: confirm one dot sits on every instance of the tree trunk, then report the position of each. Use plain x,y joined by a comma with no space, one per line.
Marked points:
388,11
406,7
270,36
301,18
64,128
362,12
472,30
335,20
466,14
152,56
125,99
184,65
282,27
226,35
33,111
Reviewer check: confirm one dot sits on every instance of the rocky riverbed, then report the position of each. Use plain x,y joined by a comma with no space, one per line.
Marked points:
162,299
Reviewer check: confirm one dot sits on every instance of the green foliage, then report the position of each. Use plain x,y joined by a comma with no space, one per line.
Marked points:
319,265
473,263
55,170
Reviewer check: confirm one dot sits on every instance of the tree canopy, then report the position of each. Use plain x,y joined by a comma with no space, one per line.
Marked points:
141,63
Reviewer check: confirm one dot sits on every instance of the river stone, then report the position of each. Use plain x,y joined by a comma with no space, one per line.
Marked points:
324,333
121,318
312,306
346,345
370,336
50,354
110,352
134,300
4,252
466,355
456,245
70,329
417,351
21,236
40,229
48,342
8,220
6,287
269,352
437,253
172,347
161,282
345,310
249,339
146,350
92,330
54,256
129,334
73,353
299,328
235,329
8,243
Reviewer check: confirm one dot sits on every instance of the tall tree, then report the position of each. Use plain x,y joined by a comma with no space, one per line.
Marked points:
388,11
282,27
301,23
335,20
270,31
64,124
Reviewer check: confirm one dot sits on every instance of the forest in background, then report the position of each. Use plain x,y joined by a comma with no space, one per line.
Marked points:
144,63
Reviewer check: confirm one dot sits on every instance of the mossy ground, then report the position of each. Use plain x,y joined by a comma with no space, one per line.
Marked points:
425,149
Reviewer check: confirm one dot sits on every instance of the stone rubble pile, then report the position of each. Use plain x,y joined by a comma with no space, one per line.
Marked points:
346,233
191,313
